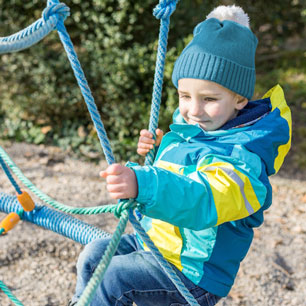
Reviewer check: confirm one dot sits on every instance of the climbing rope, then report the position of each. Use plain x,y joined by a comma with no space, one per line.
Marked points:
7,291
85,90
45,198
36,31
54,16
97,276
9,175
50,219
162,11
162,261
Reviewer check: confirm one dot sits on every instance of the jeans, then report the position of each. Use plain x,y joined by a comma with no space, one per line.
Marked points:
133,276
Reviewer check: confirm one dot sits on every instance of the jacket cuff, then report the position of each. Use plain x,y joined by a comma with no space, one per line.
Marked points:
144,180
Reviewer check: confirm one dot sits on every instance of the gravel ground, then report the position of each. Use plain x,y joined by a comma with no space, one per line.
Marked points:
39,265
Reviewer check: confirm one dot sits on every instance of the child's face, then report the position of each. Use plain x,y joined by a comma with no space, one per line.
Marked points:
207,103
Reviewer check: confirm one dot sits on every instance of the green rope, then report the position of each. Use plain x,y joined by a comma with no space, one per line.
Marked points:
7,291
20,213
111,208
163,12
119,210
97,276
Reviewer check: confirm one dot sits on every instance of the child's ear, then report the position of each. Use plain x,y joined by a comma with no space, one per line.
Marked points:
241,102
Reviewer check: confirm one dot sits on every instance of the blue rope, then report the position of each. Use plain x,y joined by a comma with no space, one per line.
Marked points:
36,31
163,12
54,16
162,261
54,220
86,92
9,175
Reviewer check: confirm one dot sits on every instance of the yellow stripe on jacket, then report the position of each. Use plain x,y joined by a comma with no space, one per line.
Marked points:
232,191
277,98
167,237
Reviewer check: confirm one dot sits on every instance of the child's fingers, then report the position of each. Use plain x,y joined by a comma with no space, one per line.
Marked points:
146,133
114,169
159,132
159,136
113,179
116,196
114,191
143,145
114,188
142,152
103,174
146,140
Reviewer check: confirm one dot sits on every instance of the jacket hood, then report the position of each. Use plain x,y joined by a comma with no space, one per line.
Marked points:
264,127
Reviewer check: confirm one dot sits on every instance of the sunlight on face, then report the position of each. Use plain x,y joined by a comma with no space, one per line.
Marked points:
207,103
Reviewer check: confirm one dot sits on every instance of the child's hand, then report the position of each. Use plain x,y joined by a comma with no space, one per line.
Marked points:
146,141
121,181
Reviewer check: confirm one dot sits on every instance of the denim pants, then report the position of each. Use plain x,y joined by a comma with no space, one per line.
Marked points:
133,276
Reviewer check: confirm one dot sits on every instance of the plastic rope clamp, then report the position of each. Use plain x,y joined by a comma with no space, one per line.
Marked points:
9,221
26,201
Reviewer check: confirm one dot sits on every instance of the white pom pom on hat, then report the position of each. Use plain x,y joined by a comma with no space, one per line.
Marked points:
230,12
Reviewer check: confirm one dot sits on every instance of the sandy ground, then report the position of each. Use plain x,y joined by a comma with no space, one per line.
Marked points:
39,265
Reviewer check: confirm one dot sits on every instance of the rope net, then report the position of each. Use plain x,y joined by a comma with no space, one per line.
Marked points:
53,17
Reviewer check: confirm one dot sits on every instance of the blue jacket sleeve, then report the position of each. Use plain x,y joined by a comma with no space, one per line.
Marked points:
217,191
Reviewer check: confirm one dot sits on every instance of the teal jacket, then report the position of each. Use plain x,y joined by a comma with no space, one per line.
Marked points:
207,191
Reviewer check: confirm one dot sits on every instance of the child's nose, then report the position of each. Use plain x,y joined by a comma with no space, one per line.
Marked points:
196,108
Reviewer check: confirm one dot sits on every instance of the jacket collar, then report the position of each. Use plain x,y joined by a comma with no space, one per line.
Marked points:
253,111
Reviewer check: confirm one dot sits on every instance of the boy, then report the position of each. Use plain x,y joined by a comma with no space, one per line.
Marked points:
209,183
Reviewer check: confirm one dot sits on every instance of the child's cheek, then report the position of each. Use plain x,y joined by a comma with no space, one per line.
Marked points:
214,111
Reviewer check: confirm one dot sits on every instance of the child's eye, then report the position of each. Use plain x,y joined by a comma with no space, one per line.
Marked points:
185,97
209,99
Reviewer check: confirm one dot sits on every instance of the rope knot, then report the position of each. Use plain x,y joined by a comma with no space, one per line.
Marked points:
61,10
164,9
124,205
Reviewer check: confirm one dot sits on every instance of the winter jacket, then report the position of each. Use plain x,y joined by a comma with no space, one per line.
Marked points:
207,190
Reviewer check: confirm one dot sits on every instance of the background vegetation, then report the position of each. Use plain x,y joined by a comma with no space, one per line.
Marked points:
116,41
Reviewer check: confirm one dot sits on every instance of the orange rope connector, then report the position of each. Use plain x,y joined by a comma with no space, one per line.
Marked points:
26,201
9,221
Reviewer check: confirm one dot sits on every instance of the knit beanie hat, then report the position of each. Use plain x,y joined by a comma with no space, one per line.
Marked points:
222,50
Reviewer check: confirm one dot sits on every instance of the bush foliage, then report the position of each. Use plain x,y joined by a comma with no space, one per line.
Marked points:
116,42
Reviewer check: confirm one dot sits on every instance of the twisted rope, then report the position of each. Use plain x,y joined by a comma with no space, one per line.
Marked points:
162,261
97,276
165,8
7,291
44,197
36,31
163,12
60,10
9,175
86,92
53,220
56,13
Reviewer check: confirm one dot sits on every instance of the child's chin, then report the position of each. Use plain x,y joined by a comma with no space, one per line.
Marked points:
208,127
